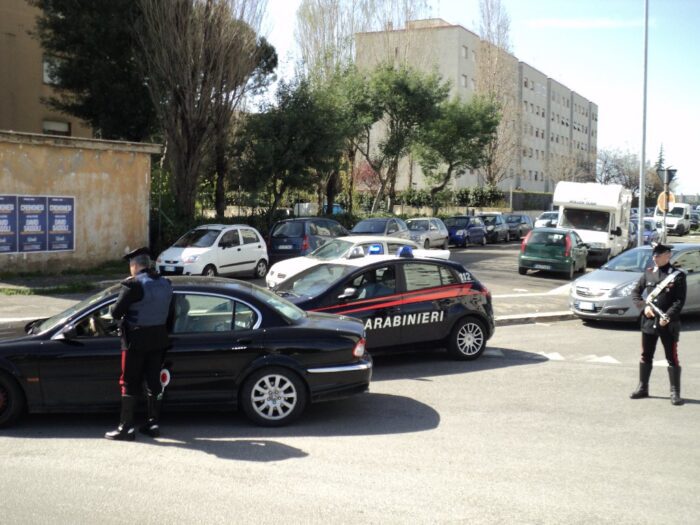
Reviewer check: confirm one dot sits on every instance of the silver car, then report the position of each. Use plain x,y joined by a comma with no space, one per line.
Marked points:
428,232
606,294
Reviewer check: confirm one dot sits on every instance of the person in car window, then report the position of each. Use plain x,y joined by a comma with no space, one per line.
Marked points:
660,319
143,306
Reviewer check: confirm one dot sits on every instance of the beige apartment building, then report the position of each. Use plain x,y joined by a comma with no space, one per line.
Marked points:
556,128
25,78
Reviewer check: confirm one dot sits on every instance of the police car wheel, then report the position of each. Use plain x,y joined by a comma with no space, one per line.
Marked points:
468,339
260,269
273,397
12,401
209,270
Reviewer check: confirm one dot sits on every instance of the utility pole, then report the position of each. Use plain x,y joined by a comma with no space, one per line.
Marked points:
642,158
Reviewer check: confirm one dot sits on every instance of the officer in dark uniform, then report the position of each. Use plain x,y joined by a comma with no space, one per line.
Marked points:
143,306
660,319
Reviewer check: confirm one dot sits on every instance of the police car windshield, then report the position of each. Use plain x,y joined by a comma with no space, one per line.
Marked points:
331,250
635,260
313,281
418,225
283,307
53,322
369,227
199,238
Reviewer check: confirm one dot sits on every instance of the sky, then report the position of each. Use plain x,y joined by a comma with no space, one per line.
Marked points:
596,48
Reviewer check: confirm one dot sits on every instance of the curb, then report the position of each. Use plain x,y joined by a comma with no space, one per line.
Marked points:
543,317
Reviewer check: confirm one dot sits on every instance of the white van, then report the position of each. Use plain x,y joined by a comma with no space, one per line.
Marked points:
214,249
677,219
599,213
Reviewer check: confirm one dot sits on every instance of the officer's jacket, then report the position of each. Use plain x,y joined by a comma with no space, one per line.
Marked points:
672,297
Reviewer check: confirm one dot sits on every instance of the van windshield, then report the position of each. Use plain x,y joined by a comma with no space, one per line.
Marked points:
585,219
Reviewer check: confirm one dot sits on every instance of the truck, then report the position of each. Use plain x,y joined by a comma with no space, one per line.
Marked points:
599,213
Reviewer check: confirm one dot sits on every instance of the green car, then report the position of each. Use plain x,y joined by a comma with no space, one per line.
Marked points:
553,249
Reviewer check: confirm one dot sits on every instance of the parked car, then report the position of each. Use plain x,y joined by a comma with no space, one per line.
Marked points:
553,249
405,302
651,234
389,226
519,225
547,219
350,247
216,249
466,229
694,220
234,345
301,236
428,232
496,228
605,294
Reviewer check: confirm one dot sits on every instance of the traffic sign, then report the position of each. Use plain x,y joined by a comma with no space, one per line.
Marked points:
661,201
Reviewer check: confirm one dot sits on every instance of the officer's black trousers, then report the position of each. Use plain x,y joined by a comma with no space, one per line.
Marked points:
138,365
669,339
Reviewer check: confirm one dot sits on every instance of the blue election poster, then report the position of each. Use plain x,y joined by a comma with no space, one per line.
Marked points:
33,218
8,224
61,222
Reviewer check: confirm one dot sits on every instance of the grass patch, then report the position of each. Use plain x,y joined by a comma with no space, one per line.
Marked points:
68,288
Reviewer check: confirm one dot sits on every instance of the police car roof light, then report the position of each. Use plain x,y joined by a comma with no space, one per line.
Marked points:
406,251
375,249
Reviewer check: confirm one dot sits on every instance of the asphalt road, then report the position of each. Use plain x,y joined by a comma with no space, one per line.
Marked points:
536,431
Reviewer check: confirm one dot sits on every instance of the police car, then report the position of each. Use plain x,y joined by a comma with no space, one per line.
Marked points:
234,344
404,302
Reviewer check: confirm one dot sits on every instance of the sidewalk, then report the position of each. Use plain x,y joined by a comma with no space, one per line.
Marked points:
508,308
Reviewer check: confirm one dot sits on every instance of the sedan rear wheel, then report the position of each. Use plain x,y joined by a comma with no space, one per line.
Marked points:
467,340
12,402
273,396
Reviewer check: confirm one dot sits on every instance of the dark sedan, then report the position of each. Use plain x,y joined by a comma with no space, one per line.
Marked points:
234,345
404,303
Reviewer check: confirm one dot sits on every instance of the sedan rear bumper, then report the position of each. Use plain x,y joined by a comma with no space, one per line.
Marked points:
339,381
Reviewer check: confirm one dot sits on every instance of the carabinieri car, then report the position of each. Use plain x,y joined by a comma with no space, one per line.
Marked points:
404,302
234,345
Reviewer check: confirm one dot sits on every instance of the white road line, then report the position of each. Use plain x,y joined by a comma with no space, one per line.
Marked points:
553,356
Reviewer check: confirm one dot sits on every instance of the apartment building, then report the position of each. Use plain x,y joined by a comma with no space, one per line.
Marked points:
25,78
556,128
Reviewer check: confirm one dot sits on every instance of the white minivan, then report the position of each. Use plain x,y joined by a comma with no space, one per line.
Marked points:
677,219
214,249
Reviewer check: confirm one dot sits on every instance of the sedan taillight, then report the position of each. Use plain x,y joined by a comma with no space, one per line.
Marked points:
524,243
359,349
305,243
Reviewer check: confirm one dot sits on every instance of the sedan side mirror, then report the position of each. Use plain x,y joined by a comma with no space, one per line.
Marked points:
348,293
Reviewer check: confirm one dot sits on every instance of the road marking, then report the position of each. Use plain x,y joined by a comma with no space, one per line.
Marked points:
605,359
660,362
553,356
520,290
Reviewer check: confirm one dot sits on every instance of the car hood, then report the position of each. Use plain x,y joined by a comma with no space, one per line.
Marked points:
177,254
602,280
12,332
294,265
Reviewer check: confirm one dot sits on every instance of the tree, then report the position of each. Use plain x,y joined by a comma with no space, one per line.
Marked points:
455,142
497,82
285,147
622,167
400,100
94,60
191,49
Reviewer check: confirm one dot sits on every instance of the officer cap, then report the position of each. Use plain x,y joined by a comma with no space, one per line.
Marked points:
136,253
661,248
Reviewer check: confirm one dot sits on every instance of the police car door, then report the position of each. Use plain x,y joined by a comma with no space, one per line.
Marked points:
426,301
375,302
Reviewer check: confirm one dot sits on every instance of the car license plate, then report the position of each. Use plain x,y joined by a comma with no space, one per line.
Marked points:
285,246
584,305
169,268
542,267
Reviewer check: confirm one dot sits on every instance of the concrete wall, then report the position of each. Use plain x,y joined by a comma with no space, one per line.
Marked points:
109,180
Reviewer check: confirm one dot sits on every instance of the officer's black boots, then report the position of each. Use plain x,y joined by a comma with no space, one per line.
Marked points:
151,427
674,376
643,387
125,431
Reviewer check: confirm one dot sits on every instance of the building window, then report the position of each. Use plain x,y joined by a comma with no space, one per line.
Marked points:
464,81
53,127
465,52
48,65
535,174
525,82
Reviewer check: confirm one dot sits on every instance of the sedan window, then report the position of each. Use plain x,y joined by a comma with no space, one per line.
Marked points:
689,261
99,323
195,313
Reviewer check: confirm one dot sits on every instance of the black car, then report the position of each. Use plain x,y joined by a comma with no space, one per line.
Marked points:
234,345
496,228
519,226
404,303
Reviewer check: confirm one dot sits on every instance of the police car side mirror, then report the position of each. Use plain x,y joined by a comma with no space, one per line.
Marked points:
348,293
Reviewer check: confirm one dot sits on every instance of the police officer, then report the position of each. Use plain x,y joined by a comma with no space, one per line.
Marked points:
142,306
660,319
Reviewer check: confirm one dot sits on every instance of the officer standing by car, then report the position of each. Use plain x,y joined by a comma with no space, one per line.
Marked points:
666,290
142,307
